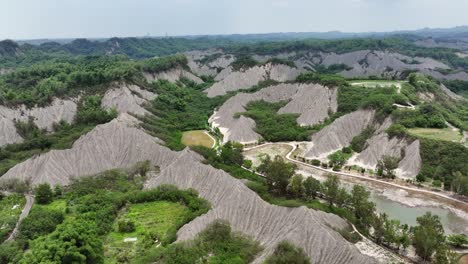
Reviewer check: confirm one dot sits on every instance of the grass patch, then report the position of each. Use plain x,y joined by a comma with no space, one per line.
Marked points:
446,134
10,209
59,205
152,220
376,83
197,138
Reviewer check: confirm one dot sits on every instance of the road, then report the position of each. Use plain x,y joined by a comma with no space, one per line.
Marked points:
27,207
366,178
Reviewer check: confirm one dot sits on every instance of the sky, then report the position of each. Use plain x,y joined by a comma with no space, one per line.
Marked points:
35,19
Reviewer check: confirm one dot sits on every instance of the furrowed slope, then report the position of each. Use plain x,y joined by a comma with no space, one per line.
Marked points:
339,133
312,102
229,80
117,144
381,144
43,117
127,98
231,200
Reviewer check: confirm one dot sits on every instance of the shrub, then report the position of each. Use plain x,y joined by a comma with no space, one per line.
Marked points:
125,226
286,253
43,193
40,221
315,162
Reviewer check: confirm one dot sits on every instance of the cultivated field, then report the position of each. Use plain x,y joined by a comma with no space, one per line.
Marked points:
154,222
447,134
197,138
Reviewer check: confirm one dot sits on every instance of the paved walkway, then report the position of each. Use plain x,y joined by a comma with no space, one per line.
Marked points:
27,207
366,178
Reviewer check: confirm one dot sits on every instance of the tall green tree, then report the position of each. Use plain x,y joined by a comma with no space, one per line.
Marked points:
296,187
277,173
428,235
332,189
363,209
312,187
43,193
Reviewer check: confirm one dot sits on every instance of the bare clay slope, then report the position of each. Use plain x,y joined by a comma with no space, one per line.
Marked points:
127,98
44,118
364,63
312,102
339,133
117,144
248,213
381,144
172,75
246,78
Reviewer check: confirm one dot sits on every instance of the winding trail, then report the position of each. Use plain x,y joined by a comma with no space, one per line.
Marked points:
413,189
27,207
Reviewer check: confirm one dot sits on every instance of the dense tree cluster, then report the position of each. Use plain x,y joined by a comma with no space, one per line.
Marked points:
274,127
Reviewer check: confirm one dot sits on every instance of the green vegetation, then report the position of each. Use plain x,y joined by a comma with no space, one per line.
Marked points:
359,142
37,141
178,108
275,127
40,221
74,227
39,83
329,80
197,138
428,235
146,222
426,116
243,63
445,161
10,209
43,193
376,83
351,98
445,134
216,244
339,158
332,69
286,253
458,86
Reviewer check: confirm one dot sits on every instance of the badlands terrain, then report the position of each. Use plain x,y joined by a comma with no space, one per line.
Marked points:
102,142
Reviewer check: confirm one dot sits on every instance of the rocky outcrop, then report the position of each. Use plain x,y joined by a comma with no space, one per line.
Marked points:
313,103
172,75
117,144
365,63
339,134
43,117
127,98
212,66
380,145
237,80
231,200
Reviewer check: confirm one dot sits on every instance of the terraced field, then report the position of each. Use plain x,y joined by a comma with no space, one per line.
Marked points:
447,134
197,138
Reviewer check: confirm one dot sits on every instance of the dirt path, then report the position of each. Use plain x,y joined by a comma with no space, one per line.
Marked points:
27,207
452,200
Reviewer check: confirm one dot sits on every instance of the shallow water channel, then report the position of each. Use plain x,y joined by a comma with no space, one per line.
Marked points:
452,222
396,203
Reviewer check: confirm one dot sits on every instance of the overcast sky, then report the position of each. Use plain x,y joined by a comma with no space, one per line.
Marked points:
30,19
